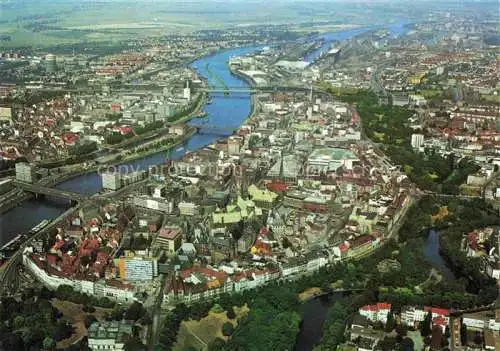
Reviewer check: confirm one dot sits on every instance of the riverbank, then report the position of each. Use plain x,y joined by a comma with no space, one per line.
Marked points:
6,207
196,112
192,131
14,202
253,100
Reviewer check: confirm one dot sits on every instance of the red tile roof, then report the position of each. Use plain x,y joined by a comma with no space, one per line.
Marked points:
169,233
436,310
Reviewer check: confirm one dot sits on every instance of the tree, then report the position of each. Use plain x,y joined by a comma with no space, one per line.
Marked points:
134,344
463,334
237,230
216,345
89,319
447,332
227,329
18,322
230,313
387,344
478,340
116,314
146,319
401,330
134,312
406,345
425,326
48,343
217,308
88,308
391,322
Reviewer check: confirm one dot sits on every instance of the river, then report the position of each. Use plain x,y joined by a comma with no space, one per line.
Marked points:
224,112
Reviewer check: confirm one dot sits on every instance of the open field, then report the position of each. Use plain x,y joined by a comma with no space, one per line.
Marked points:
43,23
198,334
73,312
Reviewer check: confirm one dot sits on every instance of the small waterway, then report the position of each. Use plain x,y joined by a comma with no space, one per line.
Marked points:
431,253
314,313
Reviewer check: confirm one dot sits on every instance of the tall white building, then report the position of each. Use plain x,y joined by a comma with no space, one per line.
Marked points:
111,180
140,268
187,92
417,140
25,172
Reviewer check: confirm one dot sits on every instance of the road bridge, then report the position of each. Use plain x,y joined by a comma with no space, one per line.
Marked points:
254,89
39,189
205,128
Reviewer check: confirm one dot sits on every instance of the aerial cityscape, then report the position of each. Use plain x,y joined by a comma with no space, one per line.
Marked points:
228,175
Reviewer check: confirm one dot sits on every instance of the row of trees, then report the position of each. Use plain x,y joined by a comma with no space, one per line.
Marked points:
83,149
178,115
66,292
31,324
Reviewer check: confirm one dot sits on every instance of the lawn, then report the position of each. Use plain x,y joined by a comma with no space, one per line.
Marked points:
198,334
418,342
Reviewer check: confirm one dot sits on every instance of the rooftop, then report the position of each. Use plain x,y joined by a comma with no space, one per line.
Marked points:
333,154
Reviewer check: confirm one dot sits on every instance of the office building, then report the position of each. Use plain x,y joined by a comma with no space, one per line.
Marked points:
138,268
187,92
25,172
170,239
233,145
5,115
111,180
50,63
417,140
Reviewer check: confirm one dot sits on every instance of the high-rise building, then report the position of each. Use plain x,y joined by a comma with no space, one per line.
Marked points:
50,63
111,180
5,115
138,268
417,140
25,172
187,92
233,145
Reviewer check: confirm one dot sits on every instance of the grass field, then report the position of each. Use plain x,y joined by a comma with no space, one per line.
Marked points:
43,23
198,334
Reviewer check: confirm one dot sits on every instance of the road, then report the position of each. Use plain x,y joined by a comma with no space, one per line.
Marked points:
156,309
